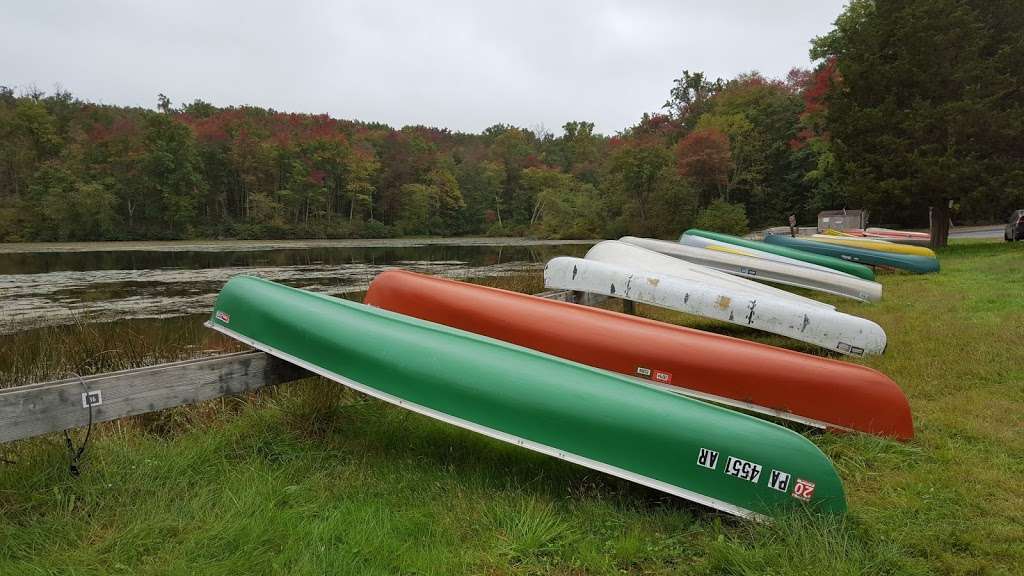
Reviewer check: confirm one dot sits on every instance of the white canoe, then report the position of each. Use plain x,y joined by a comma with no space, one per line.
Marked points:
820,326
766,270
637,258
715,245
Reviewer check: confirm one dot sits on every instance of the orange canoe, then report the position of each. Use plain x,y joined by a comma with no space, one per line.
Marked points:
792,385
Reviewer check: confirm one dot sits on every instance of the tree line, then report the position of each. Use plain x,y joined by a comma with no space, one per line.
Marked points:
911,105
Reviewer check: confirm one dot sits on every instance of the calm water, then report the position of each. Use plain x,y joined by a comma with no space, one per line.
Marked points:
43,285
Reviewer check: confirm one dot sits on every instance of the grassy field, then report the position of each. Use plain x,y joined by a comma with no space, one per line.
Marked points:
311,479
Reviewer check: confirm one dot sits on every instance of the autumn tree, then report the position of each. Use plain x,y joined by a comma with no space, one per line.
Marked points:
565,207
927,108
172,176
759,116
689,97
704,158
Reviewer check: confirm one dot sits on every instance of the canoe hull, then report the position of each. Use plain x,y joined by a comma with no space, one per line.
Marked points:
876,244
898,233
908,240
630,256
591,417
834,263
709,244
800,387
766,270
908,262
829,329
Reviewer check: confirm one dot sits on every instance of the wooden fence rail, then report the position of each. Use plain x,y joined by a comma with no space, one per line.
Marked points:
37,409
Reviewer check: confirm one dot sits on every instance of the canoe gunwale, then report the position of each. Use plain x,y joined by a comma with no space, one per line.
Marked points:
498,434
759,409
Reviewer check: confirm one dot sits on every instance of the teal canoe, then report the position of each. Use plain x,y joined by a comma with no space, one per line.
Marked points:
611,423
837,264
908,262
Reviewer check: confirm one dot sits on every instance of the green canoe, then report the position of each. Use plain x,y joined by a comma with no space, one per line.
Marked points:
821,260
909,262
611,423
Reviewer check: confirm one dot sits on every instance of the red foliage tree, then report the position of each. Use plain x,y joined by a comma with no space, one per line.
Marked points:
704,158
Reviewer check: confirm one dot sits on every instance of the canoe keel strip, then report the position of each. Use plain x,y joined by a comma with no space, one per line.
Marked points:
723,459
823,327
812,390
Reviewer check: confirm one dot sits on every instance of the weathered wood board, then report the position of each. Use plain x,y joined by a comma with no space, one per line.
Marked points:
37,409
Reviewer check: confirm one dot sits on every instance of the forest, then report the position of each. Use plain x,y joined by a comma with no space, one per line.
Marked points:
909,105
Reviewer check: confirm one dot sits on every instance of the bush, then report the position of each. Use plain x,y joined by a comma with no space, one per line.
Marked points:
724,217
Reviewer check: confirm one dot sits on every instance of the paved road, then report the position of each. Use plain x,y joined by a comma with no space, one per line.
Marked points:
991,231
978,232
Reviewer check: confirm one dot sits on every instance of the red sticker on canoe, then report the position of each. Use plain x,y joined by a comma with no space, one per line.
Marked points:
223,317
663,377
804,490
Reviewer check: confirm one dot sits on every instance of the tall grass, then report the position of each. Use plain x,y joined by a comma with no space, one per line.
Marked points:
52,352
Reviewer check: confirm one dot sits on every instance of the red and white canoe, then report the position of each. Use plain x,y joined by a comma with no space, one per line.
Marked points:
894,236
817,391
896,233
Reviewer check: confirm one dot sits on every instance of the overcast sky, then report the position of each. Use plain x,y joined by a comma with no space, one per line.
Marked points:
463,65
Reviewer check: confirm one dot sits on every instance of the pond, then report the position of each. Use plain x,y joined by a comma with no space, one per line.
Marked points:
56,284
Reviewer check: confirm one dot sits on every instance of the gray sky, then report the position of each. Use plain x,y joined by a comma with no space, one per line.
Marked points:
463,65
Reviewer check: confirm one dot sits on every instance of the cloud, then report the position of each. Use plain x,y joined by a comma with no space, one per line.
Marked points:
460,64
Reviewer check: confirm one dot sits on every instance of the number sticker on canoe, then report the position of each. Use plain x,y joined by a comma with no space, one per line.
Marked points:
652,374
223,317
778,480
803,490
707,458
742,469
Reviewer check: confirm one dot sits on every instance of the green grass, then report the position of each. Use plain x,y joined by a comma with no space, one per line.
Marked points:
311,479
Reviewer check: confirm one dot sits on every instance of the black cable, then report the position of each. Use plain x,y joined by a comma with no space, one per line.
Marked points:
75,456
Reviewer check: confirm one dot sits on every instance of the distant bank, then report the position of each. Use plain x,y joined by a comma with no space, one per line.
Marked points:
248,245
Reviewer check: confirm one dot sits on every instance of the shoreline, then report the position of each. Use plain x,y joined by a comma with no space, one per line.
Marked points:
253,245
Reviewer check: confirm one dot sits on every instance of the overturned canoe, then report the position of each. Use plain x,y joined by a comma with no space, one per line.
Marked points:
800,387
636,258
901,240
834,263
764,270
819,326
611,423
913,240
898,233
908,262
877,244
719,246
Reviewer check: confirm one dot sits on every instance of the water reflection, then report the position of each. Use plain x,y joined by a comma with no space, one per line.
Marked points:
53,288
